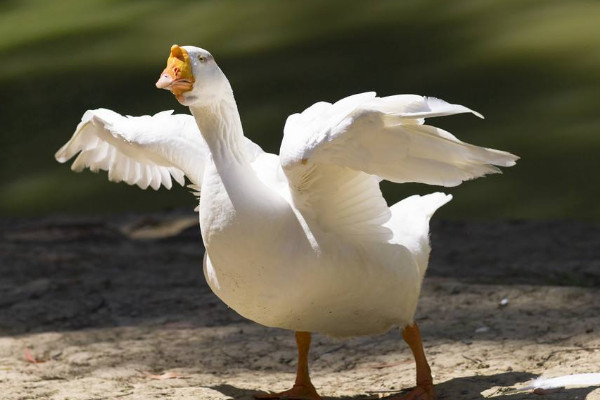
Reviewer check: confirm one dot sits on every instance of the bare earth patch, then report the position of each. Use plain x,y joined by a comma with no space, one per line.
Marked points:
87,312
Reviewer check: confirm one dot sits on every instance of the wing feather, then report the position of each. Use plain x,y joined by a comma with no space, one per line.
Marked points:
146,177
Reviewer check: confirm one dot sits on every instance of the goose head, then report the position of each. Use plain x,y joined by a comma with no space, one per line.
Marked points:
193,76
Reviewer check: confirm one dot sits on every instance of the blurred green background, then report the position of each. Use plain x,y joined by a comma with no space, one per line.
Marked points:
531,67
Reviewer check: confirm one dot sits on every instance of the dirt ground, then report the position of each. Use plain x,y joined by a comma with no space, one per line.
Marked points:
88,310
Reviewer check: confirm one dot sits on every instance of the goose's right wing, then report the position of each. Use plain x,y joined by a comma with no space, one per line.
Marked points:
143,151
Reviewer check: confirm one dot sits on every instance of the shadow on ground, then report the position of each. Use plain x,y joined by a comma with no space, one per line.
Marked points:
65,273
469,388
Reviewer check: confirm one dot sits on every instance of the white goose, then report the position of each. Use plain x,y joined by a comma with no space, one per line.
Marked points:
304,240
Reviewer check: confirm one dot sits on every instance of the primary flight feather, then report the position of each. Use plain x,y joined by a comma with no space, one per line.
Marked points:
305,240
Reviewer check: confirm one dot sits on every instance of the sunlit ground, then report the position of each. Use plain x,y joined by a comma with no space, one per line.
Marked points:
530,67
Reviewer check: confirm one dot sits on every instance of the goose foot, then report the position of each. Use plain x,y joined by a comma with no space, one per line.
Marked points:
425,392
303,389
424,389
298,392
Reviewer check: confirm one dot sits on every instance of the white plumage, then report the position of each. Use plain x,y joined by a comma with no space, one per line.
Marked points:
327,174
304,240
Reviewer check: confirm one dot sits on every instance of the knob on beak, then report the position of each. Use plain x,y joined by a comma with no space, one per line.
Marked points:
177,76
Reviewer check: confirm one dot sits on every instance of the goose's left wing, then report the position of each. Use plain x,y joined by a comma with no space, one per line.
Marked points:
334,154
387,137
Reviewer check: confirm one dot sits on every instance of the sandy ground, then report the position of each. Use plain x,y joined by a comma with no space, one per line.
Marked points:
106,316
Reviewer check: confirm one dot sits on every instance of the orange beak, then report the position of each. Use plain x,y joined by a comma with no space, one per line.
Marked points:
177,76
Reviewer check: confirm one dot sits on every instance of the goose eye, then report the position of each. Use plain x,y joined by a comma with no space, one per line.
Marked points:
201,58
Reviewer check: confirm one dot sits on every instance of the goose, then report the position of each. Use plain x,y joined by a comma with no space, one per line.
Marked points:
303,240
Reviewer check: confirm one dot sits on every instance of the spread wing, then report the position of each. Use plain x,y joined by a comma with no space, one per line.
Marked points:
146,151
334,155
143,151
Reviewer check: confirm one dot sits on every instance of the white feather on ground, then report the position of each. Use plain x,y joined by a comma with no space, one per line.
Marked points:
575,380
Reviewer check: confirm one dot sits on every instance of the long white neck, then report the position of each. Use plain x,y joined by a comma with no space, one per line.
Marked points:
221,127
235,203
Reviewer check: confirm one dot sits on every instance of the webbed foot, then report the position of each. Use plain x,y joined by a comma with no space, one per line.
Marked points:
298,392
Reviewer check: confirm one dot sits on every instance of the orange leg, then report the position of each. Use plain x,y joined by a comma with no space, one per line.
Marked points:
303,389
424,389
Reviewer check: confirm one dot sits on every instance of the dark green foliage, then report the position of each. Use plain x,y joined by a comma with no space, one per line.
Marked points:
530,67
